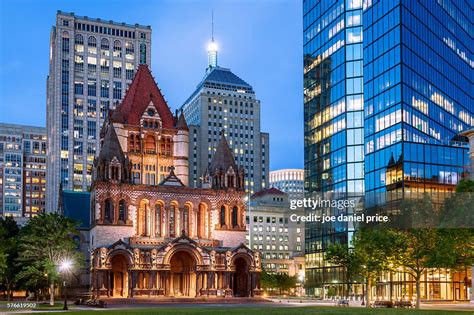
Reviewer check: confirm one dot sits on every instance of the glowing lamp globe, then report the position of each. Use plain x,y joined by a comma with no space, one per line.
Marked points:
212,46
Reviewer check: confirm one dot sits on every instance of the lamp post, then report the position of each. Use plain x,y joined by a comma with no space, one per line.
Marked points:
65,267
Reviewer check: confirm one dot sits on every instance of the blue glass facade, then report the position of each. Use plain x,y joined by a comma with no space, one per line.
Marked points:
417,97
334,121
388,86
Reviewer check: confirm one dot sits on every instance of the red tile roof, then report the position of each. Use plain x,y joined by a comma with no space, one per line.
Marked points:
143,90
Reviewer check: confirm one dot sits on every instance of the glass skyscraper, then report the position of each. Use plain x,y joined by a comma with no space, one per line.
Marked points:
388,88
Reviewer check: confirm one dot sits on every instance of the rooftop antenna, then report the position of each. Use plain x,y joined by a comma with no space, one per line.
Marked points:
212,48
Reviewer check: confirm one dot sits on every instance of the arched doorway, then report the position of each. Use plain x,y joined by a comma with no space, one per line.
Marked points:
119,276
183,276
241,278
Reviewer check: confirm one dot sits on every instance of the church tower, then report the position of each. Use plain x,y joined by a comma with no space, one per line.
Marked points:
223,172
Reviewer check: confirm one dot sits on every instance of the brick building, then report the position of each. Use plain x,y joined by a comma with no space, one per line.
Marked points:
150,233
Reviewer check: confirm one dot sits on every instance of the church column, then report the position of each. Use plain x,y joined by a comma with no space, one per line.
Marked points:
198,283
130,283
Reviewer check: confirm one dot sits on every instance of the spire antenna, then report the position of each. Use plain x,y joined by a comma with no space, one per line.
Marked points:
212,48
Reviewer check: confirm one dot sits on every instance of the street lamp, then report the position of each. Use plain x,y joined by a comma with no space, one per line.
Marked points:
65,267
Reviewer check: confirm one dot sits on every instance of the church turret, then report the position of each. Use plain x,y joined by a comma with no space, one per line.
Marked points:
181,149
111,165
223,172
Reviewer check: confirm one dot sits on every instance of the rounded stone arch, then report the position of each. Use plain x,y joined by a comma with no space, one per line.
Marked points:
202,217
65,34
248,259
191,250
126,253
143,206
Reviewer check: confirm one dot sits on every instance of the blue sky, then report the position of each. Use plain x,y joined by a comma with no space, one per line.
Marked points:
260,40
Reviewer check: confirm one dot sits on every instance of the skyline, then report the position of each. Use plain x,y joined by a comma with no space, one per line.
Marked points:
256,46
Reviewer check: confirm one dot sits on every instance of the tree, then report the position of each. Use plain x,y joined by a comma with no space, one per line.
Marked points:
373,251
45,242
9,231
284,282
414,249
341,255
458,209
268,281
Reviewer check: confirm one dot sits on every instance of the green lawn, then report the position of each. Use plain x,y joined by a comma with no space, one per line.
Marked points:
270,310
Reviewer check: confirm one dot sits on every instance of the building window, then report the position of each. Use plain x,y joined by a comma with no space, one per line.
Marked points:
235,217
92,87
171,221
92,45
129,51
79,43
104,88
222,216
122,211
108,210
158,219
143,53
117,49
117,90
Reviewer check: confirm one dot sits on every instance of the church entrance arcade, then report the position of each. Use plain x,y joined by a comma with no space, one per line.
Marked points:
183,275
119,276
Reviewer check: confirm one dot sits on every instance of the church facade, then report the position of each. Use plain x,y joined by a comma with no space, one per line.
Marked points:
151,234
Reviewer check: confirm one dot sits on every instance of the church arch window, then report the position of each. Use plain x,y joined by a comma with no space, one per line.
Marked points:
172,216
201,221
150,144
185,219
222,216
143,219
108,210
235,217
158,214
122,210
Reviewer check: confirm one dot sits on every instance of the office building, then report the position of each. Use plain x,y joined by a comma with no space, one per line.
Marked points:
92,62
290,181
224,103
271,232
22,170
390,80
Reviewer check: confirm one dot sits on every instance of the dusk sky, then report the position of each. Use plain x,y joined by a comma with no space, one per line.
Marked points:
261,41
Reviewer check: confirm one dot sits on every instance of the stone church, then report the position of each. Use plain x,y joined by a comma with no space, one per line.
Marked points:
151,234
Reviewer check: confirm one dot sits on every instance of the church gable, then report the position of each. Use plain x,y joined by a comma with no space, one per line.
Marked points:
142,93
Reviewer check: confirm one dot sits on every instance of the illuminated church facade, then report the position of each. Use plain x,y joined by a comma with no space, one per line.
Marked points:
151,234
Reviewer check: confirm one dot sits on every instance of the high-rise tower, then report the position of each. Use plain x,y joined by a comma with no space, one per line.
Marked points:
92,62
224,103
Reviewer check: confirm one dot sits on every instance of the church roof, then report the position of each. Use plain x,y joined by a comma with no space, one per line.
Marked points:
142,90
181,124
172,180
110,145
223,158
